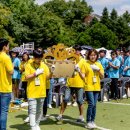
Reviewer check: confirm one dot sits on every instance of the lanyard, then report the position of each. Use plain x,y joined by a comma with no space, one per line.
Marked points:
35,66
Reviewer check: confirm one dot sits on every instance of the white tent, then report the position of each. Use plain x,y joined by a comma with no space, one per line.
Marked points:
108,52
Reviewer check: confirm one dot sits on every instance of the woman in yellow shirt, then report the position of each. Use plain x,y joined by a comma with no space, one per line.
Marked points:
25,58
91,73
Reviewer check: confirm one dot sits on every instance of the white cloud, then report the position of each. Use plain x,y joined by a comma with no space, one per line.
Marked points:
120,5
105,2
41,1
98,5
123,9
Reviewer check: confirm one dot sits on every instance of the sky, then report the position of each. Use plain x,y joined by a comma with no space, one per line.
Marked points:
120,5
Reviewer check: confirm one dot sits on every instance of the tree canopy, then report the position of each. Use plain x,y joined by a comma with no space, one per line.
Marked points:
61,21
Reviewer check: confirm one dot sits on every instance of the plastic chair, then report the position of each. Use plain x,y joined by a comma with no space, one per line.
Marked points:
122,87
105,83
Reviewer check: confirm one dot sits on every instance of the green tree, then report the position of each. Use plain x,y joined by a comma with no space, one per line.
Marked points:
113,20
17,27
69,11
126,17
122,30
84,39
105,17
5,14
113,15
101,36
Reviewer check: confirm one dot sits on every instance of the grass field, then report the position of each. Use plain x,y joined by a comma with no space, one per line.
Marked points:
110,116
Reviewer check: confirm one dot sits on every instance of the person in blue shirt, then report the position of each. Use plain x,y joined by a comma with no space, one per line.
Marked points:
120,58
16,75
126,69
113,73
103,60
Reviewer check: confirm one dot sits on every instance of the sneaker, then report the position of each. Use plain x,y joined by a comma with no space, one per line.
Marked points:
93,123
59,118
44,118
37,127
124,96
89,125
74,104
80,119
105,98
69,103
26,120
49,106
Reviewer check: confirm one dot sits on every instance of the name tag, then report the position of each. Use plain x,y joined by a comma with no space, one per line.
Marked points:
94,79
37,81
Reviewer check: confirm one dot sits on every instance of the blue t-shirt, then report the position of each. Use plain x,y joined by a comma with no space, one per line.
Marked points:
104,63
16,63
127,63
120,58
114,73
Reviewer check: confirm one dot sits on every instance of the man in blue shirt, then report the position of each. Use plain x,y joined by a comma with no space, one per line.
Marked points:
113,73
126,69
103,60
120,58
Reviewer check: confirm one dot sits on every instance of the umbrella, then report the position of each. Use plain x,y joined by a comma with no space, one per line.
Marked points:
85,47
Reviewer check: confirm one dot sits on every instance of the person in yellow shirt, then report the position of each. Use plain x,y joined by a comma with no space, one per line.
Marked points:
92,73
25,58
6,71
74,85
37,74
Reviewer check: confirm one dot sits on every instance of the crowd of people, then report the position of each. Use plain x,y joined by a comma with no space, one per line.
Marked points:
35,77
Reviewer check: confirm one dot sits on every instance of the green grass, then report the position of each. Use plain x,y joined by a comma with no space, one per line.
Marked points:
114,117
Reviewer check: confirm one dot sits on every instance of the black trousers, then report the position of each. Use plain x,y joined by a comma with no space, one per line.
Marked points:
45,103
114,88
24,86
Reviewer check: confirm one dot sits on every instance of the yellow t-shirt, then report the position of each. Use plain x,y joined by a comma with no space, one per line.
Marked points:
22,66
31,60
48,84
34,91
76,81
89,74
5,78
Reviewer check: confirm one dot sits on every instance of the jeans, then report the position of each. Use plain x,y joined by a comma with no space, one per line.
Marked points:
92,98
79,94
50,91
35,111
4,106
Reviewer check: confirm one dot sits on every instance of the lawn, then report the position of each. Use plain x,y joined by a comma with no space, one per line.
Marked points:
110,116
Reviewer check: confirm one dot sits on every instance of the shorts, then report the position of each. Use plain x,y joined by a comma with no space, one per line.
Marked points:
71,90
16,81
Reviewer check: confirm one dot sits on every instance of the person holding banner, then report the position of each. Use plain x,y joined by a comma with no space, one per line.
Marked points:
37,74
74,85
91,74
